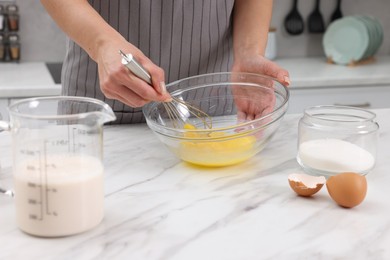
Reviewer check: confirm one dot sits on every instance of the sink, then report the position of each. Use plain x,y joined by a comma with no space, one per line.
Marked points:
55,71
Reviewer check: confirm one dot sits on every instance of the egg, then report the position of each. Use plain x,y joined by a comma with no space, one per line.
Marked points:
214,150
347,189
305,185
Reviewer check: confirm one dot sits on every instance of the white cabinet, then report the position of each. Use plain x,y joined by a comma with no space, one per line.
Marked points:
358,96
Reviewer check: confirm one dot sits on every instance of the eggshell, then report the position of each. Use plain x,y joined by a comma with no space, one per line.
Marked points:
305,185
347,189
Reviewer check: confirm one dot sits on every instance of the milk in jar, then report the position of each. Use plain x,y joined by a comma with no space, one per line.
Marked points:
59,195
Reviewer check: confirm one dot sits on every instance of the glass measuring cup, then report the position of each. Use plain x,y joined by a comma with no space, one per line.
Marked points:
57,150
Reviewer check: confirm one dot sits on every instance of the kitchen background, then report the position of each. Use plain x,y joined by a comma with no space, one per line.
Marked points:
41,39
314,81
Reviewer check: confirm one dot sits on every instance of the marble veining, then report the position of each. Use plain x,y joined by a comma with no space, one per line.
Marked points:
157,207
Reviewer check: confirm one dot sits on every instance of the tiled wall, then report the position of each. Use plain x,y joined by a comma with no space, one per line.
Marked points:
43,41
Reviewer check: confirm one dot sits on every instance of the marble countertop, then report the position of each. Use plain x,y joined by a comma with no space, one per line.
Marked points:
157,207
34,79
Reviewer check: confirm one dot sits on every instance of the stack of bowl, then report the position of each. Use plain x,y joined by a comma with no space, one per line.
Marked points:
352,39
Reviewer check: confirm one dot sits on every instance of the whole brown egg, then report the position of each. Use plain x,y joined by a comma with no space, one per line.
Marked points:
347,189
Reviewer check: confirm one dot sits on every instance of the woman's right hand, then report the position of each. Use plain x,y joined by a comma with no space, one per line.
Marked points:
80,21
118,82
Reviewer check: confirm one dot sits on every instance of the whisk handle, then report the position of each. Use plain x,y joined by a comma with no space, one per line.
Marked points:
137,69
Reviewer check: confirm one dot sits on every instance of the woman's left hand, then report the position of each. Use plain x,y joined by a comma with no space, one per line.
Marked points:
260,101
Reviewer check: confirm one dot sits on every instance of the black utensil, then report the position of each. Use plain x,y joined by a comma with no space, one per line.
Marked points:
337,14
294,21
315,21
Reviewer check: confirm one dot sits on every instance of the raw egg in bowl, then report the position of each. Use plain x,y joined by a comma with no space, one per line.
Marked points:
244,111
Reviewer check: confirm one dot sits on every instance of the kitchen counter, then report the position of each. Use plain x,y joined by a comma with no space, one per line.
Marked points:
313,72
34,78
157,207
26,79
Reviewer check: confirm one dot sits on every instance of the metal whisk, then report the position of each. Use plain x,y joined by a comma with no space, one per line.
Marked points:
176,108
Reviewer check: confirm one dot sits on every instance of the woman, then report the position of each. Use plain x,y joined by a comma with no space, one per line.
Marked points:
172,39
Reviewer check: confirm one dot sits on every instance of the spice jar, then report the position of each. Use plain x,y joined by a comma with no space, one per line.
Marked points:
335,139
12,17
2,48
2,19
271,49
14,47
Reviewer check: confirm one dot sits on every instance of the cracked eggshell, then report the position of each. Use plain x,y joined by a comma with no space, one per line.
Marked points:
305,185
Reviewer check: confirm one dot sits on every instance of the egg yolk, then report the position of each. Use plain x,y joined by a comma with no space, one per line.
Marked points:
214,153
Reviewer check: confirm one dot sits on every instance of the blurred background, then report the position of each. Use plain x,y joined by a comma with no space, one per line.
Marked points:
42,40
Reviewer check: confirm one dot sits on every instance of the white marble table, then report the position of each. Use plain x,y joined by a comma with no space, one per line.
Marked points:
159,208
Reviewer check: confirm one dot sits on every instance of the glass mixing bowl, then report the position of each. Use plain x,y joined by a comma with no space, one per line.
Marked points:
245,110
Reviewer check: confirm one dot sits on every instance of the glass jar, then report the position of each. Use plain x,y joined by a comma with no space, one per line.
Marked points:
335,139
2,48
13,18
14,47
271,49
2,18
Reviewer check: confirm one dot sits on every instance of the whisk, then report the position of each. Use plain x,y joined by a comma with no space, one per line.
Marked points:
176,108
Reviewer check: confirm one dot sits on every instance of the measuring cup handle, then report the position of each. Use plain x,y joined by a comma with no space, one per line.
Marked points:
4,126
7,192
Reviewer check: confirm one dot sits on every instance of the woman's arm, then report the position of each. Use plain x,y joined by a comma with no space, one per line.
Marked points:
82,23
250,27
250,32
88,29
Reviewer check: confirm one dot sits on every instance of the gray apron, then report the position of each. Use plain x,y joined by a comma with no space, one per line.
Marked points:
183,37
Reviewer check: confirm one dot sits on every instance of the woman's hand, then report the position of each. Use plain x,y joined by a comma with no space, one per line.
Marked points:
118,82
259,101
102,43
250,29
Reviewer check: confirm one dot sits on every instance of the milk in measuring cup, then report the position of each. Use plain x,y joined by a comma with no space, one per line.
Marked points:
59,195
